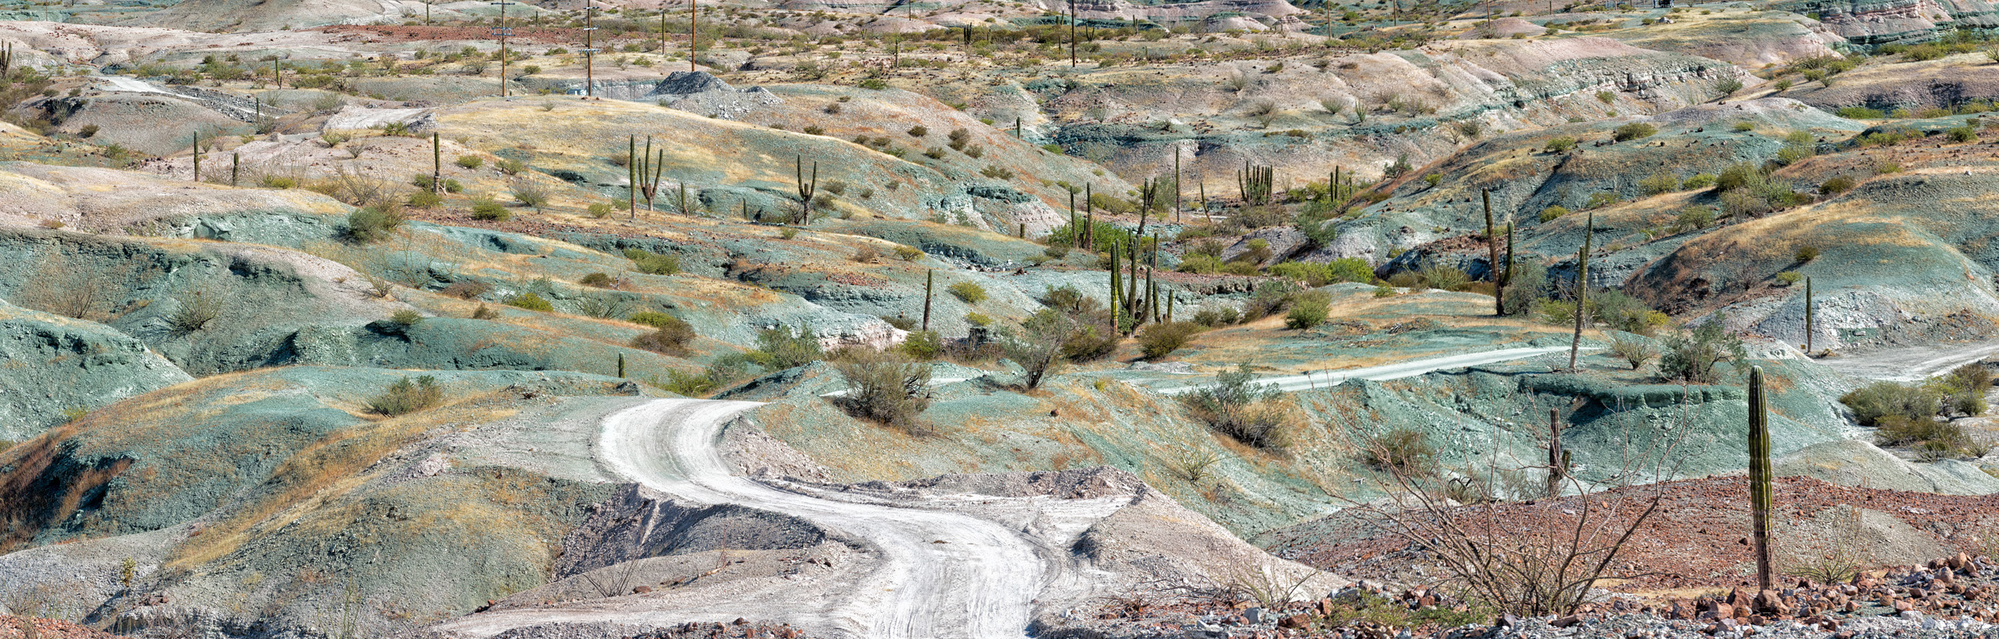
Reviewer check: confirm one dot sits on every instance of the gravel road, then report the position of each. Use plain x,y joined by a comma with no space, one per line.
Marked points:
1397,370
1911,364
941,574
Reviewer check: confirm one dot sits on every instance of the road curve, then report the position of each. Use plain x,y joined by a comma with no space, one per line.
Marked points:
1910,364
940,574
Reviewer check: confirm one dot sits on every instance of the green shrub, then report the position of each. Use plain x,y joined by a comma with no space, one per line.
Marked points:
968,292
1346,269
529,301
425,199
1695,218
652,263
406,317
1526,288
1561,144
1859,113
1159,340
1236,406
599,210
654,319
488,209
922,346
1806,254
371,224
1633,131
1932,440
782,347
510,166
530,194
1199,263
1659,183
1738,176
599,280
885,388
1691,356
1551,213
404,397
469,161
1602,199
1308,309
670,337
1269,298
1449,278
908,253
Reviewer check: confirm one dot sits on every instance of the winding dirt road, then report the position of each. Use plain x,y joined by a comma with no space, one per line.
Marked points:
937,574
940,574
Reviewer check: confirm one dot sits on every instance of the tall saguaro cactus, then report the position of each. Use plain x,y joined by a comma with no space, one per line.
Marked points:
929,284
646,175
806,189
1492,259
1809,317
1760,493
1558,457
1582,289
437,166
197,156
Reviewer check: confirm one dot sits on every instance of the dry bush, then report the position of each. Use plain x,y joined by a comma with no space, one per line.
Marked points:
1528,560
466,289
66,284
1834,556
195,310
1191,461
671,337
405,397
1267,586
358,189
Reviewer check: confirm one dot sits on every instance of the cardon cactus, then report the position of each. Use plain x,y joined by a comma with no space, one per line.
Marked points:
1760,493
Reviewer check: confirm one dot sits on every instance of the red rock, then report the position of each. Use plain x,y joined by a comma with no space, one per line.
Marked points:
1566,622
641,590
1295,621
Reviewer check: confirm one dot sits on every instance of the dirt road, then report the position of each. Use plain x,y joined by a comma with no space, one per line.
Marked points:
1398,370
940,574
1911,364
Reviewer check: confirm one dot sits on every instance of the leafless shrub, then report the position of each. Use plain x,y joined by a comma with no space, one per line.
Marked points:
613,581
1268,586
1834,556
194,310
357,189
69,285
1191,461
1538,559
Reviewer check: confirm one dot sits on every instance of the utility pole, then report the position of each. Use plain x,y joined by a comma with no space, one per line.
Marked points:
503,32
1072,33
589,50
